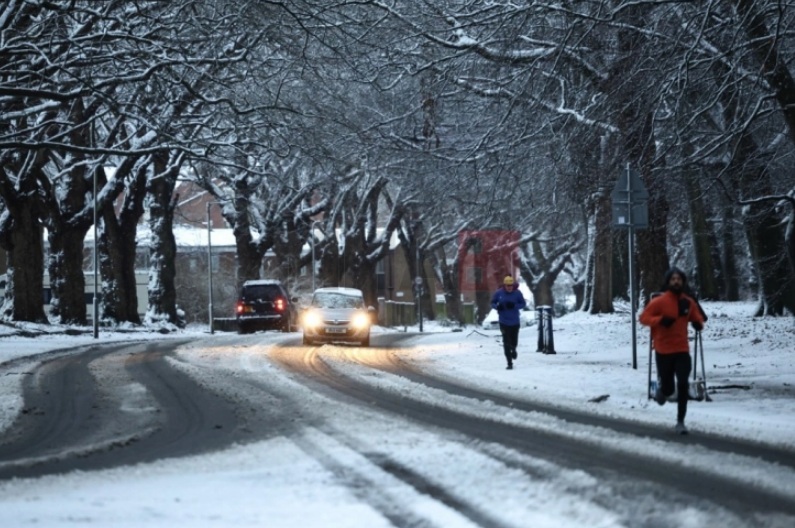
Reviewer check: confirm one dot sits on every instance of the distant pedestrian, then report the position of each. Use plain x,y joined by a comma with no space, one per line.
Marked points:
509,301
668,316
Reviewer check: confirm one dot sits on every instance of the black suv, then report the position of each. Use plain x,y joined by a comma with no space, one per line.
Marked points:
264,305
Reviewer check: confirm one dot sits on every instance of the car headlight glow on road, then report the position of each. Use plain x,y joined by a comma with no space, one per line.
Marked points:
312,319
360,321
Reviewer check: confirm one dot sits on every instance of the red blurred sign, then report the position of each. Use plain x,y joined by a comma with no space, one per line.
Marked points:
485,258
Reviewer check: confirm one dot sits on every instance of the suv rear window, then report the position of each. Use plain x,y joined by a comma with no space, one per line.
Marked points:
266,292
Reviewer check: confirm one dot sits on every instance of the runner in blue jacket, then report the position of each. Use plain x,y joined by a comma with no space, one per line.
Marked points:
509,301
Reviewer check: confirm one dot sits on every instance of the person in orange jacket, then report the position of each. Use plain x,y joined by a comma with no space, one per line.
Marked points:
668,316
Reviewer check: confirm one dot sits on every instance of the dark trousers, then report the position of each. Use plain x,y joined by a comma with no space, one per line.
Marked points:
510,340
677,367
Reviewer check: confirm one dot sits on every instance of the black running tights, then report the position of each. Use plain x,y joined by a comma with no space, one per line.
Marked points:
670,366
510,340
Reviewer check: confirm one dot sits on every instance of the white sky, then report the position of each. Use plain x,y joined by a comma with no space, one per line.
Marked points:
291,481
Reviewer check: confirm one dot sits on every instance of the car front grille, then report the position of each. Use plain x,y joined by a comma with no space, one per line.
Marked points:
336,322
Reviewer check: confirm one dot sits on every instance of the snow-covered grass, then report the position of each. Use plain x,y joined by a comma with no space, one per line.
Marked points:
594,359
316,478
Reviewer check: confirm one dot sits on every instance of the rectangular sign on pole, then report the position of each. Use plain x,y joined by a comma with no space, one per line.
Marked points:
640,215
630,201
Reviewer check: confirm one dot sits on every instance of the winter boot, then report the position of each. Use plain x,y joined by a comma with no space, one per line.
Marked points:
680,428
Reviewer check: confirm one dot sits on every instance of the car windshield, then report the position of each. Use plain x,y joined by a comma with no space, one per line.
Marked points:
336,300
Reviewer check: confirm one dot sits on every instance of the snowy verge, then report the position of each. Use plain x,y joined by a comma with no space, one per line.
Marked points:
750,366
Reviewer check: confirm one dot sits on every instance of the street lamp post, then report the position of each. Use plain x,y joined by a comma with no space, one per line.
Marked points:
419,279
312,240
95,307
210,267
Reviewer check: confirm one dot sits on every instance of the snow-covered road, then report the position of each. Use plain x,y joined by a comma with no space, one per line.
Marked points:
434,433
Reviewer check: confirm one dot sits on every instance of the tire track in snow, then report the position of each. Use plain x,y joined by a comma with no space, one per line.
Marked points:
682,485
68,410
384,360
368,489
363,474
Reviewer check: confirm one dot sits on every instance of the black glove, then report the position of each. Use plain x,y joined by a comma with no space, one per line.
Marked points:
509,305
667,321
698,326
499,307
684,307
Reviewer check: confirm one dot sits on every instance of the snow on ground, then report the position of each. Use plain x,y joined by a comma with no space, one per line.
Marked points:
750,363
316,479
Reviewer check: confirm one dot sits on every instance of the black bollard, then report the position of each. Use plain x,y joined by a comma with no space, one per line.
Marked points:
546,341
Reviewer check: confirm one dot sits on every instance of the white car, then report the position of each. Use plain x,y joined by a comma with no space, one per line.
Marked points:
337,315
527,317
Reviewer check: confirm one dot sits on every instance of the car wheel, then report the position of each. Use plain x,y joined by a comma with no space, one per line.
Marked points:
285,327
243,329
307,341
366,341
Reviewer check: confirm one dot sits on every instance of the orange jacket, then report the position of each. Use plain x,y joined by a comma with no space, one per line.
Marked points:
672,339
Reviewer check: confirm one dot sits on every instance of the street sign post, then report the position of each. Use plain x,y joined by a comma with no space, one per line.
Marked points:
631,211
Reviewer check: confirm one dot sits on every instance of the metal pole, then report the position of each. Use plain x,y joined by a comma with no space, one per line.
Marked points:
312,240
210,268
94,309
419,285
631,233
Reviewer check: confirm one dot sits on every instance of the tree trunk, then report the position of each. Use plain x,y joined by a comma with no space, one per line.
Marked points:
729,256
332,268
163,246
789,237
651,247
415,270
364,276
67,280
775,276
427,304
764,230
249,254
542,291
708,267
586,284
601,290
578,288
288,246
25,273
117,247
448,277
620,272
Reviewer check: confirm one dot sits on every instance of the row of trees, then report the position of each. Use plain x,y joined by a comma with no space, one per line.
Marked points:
421,118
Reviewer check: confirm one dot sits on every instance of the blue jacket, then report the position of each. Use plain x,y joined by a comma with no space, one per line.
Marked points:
501,298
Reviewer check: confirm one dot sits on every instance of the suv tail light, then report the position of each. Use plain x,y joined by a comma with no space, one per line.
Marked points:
242,308
280,304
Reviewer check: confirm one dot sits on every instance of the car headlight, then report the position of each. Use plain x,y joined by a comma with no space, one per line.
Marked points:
312,319
360,321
